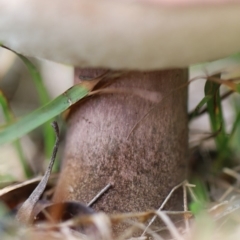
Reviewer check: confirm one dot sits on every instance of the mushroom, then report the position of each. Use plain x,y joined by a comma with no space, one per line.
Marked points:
155,41
122,34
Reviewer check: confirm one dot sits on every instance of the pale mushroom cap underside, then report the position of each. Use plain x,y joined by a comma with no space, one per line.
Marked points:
120,34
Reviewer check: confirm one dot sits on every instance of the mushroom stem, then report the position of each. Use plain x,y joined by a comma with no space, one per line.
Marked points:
142,168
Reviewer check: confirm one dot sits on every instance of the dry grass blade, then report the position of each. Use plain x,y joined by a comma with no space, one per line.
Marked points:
25,213
99,194
136,225
185,205
152,96
171,227
103,224
232,173
19,185
163,204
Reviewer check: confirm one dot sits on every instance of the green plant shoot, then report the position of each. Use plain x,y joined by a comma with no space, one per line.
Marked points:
9,117
45,113
214,108
44,98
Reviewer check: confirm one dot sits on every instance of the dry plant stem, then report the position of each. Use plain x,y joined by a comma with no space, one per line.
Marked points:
48,216
225,185
171,227
226,193
217,206
185,207
137,225
160,101
237,168
232,206
232,173
192,194
163,98
19,185
25,213
124,217
106,188
169,94
152,96
163,204
204,110
103,224
143,215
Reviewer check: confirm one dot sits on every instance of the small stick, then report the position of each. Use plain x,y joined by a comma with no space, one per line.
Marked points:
157,104
192,194
232,173
204,110
171,227
185,205
25,213
162,205
99,195
164,97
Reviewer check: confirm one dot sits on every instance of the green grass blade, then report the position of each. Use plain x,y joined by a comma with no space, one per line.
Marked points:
234,135
201,193
45,113
236,124
44,98
215,111
36,76
9,117
199,106
214,108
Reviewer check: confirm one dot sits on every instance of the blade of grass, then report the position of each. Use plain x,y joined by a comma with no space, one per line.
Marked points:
25,214
214,108
198,107
9,117
202,195
215,111
43,114
198,111
44,98
228,83
234,135
235,125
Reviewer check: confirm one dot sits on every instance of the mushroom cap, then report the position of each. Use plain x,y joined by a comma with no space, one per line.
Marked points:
151,35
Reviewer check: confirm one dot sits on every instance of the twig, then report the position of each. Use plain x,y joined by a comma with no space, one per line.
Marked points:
185,207
226,193
134,226
192,194
204,110
230,207
232,173
115,218
25,213
156,105
99,195
162,205
171,227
